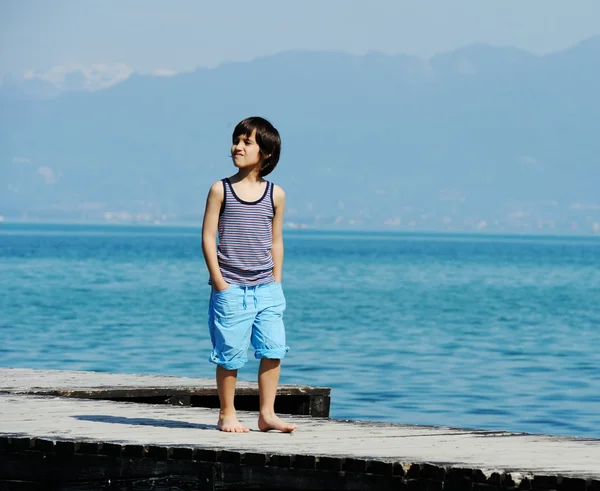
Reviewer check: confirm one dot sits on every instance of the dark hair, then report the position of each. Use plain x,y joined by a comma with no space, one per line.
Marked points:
267,138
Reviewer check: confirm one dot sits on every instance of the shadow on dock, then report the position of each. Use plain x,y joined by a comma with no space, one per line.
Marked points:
164,423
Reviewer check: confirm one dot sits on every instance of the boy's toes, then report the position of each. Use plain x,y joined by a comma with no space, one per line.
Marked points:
273,422
230,424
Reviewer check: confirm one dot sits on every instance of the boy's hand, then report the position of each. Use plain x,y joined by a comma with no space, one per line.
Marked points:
221,285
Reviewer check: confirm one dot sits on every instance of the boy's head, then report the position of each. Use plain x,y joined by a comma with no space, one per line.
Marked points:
267,138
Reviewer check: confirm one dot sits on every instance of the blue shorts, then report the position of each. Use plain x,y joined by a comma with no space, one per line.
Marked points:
240,315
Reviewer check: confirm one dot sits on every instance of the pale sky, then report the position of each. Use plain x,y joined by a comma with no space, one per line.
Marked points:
178,35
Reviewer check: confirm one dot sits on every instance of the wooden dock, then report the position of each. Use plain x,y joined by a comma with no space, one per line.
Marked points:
158,389
49,441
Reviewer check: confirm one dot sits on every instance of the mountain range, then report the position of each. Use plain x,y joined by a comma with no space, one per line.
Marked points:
483,137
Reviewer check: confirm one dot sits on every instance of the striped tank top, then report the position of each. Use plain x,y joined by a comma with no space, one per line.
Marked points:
245,237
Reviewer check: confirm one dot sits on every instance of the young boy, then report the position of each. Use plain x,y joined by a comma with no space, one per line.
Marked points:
247,301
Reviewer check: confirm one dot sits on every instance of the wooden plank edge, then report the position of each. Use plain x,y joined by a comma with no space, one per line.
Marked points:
132,461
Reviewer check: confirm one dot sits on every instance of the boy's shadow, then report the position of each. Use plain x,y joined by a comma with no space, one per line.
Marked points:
165,423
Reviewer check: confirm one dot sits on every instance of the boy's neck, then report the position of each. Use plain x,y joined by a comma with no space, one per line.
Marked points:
248,175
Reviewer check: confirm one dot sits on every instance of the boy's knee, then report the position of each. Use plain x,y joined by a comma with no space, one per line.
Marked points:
270,362
271,353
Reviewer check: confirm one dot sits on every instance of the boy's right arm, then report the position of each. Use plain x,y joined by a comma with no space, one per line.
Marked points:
209,235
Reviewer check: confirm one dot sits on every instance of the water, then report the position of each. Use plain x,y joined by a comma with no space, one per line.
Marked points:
477,332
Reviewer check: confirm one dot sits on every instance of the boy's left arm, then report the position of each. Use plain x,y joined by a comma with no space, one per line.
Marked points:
277,249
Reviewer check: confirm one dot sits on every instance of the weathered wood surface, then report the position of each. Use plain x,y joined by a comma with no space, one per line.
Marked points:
64,382
328,449
184,391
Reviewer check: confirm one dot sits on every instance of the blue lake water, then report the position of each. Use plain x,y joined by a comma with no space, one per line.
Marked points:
486,332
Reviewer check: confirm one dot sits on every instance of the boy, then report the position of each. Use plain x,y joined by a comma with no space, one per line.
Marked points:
247,300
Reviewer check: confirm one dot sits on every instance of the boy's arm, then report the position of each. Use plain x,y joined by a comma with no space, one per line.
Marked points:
209,235
277,249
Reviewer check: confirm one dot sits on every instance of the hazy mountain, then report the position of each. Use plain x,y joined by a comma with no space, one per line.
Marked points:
51,81
469,137
35,88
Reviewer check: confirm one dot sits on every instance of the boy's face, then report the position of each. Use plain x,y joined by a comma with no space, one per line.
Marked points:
245,152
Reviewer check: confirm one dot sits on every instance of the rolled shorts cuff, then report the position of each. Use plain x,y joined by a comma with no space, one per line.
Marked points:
272,354
226,364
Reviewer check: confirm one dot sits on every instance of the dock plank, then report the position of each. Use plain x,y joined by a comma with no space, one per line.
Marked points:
125,423
53,382
291,399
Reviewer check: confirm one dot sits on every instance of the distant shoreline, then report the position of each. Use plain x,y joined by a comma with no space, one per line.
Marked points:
55,226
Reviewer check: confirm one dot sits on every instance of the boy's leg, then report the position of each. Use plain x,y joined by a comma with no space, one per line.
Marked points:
230,326
268,340
228,421
268,379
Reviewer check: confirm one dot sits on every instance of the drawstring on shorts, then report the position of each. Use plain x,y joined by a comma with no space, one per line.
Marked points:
245,288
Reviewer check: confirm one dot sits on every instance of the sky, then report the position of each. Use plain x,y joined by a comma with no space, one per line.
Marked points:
180,35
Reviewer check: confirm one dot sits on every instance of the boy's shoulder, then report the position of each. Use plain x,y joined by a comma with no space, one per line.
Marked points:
278,195
217,186
216,191
277,189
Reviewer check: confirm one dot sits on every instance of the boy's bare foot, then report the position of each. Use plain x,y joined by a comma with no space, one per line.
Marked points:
273,422
230,424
